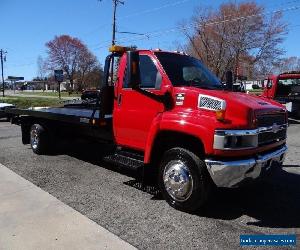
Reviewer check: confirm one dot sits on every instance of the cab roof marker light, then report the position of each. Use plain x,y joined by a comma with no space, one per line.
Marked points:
119,49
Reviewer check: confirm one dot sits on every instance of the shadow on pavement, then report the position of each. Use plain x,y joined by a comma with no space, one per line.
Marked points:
272,202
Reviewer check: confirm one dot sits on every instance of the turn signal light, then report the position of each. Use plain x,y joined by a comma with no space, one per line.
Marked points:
220,115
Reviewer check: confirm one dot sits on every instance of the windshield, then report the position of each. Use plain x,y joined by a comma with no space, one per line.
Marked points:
184,70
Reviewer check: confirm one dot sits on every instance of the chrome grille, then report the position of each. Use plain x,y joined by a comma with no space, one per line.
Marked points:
270,137
269,119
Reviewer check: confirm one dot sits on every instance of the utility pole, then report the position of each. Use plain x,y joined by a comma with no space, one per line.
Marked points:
113,41
3,58
115,4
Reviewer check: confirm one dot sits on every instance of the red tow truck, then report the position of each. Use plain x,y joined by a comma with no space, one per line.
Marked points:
167,113
285,89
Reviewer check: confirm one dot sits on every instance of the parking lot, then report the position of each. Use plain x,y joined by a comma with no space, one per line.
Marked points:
111,197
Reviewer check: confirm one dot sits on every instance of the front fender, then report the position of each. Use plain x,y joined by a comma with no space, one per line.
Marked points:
189,125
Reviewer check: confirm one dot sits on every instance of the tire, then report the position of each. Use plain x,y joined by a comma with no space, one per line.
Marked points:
195,187
39,139
25,134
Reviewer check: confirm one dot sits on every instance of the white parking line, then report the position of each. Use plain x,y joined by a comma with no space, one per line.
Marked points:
31,218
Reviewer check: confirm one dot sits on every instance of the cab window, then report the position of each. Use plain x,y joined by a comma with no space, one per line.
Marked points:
150,76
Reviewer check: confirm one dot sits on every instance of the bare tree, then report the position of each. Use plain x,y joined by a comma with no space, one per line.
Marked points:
87,63
235,34
94,77
287,64
42,71
67,53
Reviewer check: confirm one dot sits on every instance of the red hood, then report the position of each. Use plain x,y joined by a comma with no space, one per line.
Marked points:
247,100
240,107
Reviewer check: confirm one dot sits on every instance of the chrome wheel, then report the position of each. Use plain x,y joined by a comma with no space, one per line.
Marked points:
34,137
178,180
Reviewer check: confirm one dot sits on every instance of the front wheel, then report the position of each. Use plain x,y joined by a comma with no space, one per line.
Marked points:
183,180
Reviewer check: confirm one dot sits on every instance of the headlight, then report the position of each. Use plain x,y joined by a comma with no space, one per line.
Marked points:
235,139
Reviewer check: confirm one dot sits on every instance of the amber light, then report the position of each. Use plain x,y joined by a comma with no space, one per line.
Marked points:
102,123
118,49
253,119
220,115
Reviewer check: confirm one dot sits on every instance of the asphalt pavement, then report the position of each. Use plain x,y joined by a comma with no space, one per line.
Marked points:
111,197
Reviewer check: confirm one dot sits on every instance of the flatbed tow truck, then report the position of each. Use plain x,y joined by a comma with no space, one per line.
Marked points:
167,113
285,89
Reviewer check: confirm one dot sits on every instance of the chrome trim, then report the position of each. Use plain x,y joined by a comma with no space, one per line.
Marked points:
271,128
245,132
232,173
34,137
178,180
220,136
221,101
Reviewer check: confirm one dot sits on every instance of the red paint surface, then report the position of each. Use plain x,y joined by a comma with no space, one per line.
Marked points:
138,119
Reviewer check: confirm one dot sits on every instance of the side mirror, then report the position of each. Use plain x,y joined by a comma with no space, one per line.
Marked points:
229,80
106,70
133,69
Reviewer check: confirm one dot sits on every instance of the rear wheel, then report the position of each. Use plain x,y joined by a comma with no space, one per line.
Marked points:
39,139
183,180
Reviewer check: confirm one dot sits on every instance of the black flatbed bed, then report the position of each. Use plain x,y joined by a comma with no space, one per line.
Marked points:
64,114
85,121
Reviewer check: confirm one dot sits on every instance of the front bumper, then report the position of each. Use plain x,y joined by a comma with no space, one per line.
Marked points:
233,173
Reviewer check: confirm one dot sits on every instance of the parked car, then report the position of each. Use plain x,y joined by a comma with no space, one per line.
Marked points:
90,94
4,106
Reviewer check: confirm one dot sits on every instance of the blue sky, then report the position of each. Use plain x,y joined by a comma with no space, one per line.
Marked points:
27,25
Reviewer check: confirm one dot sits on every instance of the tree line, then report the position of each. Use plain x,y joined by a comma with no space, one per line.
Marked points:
241,37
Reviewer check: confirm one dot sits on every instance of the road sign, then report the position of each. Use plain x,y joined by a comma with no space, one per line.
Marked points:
15,78
59,75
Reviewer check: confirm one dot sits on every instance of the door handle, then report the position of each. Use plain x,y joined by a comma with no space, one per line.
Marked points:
119,99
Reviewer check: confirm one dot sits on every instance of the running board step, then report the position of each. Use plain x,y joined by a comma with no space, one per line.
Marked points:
127,159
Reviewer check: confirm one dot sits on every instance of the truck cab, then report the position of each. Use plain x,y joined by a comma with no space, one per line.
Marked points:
166,112
285,89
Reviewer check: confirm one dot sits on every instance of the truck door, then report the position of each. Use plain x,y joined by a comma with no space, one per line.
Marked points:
133,111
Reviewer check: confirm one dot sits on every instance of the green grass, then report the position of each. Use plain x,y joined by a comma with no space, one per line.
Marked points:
256,91
27,102
63,94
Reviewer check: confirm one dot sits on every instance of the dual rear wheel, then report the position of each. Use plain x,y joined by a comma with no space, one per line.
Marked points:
39,139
